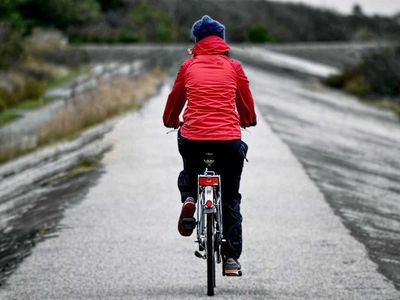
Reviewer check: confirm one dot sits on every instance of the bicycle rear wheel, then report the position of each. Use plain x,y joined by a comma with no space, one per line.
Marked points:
210,255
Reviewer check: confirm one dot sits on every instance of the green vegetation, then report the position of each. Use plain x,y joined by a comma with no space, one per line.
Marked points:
85,165
126,21
139,23
387,104
25,75
11,46
376,77
107,100
286,22
8,116
32,103
68,76
10,14
258,33
30,92
28,88
122,37
107,5
358,86
59,13
152,24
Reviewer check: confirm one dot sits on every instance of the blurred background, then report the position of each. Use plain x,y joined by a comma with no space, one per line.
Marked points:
68,66
32,33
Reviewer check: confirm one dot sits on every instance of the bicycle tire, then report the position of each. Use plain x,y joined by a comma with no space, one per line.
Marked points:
210,255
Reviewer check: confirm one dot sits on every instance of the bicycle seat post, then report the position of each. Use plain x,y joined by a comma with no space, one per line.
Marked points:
209,160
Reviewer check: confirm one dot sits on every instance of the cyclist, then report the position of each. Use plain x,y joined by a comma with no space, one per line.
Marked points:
219,102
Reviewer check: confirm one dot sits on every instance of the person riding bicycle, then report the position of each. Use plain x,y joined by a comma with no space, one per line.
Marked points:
219,102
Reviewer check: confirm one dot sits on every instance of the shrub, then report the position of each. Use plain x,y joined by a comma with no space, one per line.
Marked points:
107,100
358,86
258,33
60,13
71,57
9,13
107,5
3,104
11,46
377,75
336,81
382,71
123,37
127,37
152,24
33,89
25,89
5,98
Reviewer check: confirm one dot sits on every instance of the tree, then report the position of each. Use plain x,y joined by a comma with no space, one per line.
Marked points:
152,24
258,33
60,13
107,5
11,46
357,10
10,14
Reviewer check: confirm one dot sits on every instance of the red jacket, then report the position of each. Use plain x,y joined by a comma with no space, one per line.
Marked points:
217,92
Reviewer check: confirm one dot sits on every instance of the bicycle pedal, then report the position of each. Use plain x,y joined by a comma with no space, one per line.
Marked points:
199,255
188,223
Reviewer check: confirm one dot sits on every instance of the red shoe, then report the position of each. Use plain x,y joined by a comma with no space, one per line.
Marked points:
186,222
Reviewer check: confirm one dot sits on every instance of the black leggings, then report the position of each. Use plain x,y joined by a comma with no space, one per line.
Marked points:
229,158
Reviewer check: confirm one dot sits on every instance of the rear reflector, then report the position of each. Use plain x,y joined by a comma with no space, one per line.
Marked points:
209,203
209,180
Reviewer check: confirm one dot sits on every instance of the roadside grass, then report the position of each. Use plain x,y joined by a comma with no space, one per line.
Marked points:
375,80
14,112
9,154
361,89
33,103
385,104
11,114
8,115
72,74
85,165
108,99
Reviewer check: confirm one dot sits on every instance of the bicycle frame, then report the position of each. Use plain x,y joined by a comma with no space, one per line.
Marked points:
209,202
209,221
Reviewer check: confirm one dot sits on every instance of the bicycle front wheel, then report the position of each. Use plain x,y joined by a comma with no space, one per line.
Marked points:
210,255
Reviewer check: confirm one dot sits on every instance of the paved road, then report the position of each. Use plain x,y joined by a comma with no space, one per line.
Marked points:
121,241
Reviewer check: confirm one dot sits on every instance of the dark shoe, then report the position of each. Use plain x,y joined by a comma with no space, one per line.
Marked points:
232,267
186,222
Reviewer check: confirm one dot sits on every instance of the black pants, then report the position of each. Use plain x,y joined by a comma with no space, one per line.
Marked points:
229,158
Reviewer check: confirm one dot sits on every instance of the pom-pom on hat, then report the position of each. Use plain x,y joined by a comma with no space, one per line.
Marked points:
207,26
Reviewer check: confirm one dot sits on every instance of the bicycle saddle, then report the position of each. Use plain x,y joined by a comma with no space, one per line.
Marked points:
209,158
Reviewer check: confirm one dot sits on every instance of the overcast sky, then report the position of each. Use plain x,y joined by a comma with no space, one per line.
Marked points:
383,7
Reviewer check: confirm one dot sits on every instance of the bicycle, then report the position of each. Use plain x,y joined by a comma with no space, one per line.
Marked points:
209,221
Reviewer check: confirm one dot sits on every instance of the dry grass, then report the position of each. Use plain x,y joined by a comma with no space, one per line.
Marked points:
107,100
9,154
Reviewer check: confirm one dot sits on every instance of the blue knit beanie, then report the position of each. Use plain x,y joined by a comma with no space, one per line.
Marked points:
207,26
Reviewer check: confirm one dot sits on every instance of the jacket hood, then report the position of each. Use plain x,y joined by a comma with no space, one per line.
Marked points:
211,45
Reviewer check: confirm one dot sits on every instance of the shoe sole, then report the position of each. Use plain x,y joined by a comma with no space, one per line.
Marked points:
186,215
233,273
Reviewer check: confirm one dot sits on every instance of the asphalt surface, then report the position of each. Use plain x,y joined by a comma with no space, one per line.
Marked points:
350,150
121,241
